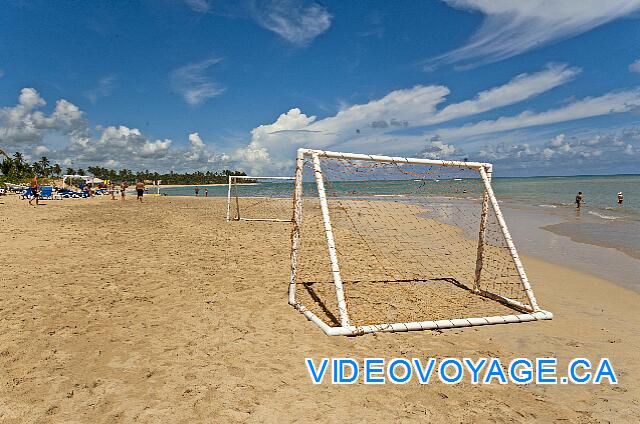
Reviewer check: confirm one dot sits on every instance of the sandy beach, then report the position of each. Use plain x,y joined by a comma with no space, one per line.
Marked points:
163,312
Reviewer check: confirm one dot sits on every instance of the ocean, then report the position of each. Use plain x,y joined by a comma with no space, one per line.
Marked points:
532,203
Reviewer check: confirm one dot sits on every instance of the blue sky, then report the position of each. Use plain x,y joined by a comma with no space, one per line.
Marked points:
539,87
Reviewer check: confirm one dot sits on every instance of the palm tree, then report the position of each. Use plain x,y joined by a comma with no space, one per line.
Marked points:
71,171
57,170
44,166
37,169
6,165
19,159
4,154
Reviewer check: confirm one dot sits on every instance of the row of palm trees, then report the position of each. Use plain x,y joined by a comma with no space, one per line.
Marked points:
17,168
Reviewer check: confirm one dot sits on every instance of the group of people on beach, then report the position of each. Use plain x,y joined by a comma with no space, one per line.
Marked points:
580,199
140,189
197,191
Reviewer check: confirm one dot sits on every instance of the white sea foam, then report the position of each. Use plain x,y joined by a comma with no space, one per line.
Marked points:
548,206
602,216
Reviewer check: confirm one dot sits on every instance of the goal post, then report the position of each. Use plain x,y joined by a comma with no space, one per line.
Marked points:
259,198
383,243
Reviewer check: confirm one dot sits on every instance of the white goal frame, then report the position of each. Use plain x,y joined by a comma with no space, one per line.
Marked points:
233,188
531,312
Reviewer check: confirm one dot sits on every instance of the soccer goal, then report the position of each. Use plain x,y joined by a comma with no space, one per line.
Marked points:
252,198
395,244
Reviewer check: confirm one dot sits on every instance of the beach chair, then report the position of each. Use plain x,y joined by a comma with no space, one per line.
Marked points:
26,194
46,193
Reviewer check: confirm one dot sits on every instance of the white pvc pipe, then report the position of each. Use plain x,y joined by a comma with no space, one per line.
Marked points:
297,223
250,177
421,325
233,182
481,234
509,241
229,201
394,159
333,256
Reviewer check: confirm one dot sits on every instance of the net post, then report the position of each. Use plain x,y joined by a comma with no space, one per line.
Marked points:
235,192
333,256
297,223
488,168
509,241
229,200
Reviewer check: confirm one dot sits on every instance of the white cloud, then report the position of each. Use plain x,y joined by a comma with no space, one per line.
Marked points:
294,20
129,147
25,125
26,128
200,6
40,150
193,84
103,89
635,66
363,126
614,102
563,152
513,27
195,141
520,88
437,149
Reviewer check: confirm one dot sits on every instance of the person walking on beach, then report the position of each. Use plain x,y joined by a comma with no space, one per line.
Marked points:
579,200
140,190
34,190
206,192
620,198
197,190
123,188
112,191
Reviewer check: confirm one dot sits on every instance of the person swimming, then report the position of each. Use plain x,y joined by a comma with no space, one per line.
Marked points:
620,198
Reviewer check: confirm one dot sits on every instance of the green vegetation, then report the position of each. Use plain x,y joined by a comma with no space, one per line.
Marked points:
170,178
15,169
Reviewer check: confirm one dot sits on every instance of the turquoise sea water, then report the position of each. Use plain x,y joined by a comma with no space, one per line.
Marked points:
601,221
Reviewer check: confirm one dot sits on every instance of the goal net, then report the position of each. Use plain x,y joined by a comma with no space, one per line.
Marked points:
396,244
252,198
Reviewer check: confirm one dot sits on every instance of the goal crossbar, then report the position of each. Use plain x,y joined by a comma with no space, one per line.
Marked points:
233,197
528,312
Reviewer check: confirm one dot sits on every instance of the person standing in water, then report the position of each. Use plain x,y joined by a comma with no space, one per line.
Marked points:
620,198
579,200
206,192
197,190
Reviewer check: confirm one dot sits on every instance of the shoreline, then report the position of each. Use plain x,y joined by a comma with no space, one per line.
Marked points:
186,185
538,233
529,228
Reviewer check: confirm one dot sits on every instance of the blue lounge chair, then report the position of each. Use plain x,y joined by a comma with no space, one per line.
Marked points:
46,193
26,194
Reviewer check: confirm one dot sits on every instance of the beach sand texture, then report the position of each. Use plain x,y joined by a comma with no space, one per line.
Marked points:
163,312
397,266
